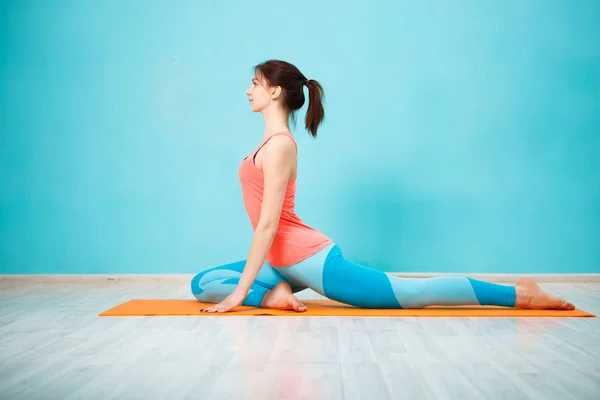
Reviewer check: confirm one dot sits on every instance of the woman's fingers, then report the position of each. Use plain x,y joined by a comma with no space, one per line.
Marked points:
216,308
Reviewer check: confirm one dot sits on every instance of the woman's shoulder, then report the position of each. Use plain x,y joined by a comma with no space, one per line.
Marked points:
281,142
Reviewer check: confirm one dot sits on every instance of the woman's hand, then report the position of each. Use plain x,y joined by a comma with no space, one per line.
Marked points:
232,301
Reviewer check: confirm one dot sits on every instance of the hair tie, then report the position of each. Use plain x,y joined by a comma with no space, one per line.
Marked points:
306,82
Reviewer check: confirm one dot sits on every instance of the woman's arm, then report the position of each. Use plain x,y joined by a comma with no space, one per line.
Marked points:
277,165
279,158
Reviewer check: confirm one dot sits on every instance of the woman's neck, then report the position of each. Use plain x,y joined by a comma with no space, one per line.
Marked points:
275,121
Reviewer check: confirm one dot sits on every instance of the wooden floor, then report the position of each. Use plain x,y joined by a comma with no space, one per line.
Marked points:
54,346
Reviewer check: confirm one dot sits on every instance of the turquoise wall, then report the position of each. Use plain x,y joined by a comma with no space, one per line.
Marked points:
460,136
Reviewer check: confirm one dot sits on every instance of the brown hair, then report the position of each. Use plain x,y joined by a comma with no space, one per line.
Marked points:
292,81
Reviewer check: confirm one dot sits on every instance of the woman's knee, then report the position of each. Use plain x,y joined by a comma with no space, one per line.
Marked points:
206,281
196,283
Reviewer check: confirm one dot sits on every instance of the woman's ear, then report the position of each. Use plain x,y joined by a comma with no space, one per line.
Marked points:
275,92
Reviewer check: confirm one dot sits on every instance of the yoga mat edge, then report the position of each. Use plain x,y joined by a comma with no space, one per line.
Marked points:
316,308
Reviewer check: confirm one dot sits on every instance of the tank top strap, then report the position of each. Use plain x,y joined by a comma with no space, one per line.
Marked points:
288,134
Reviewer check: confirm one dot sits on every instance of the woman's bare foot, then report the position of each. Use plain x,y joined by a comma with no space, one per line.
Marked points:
281,298
530,295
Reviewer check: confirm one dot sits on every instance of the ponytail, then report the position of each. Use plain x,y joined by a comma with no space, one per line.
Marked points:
315,113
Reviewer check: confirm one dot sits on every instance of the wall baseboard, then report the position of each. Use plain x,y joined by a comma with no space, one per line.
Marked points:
186,278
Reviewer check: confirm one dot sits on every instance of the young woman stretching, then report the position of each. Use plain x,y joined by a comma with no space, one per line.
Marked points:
287,256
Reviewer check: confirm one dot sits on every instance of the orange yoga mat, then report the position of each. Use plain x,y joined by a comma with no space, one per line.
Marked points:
321,308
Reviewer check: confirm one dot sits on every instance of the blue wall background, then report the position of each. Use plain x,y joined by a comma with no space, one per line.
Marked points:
460,136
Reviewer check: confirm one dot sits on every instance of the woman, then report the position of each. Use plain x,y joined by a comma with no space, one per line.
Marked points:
287,256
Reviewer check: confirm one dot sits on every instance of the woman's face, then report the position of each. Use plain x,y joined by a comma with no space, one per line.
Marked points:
258,94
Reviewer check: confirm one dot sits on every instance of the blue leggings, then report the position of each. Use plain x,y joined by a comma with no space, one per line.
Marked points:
330,274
